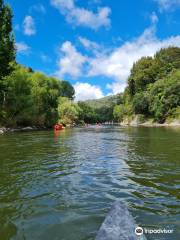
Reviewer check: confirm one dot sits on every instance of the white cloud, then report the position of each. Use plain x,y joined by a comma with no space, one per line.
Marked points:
86,91
71,62
154,18
117,65
116,87
81,16
29,26
63,4
168,4
22,48
91,46
39,7
88,44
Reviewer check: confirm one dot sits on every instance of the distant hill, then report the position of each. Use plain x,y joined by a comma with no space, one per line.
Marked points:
107,101
99,110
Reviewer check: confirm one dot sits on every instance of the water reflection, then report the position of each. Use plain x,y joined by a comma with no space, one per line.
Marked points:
153,158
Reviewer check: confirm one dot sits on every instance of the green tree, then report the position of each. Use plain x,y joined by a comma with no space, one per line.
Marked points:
141,103
18,106
153,85
26,97
165,96
68,111
87,113
67,90
143,72
7,46
147,70
166,60
119,112
45,92
100,110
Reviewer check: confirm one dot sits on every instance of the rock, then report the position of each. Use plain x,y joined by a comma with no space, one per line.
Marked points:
1,131
27,129
20,129
118,225
175,122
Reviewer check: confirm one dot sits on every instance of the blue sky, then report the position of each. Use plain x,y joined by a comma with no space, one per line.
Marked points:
93,43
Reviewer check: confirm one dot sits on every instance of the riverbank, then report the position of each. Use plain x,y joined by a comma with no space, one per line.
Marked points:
139,121
126,123
4,130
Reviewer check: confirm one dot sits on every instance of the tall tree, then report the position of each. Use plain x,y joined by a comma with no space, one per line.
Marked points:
7,46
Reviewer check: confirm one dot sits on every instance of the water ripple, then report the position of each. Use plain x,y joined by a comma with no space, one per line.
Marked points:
51,184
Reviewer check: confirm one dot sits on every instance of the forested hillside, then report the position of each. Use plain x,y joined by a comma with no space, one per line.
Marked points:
152,92
153,89
99,110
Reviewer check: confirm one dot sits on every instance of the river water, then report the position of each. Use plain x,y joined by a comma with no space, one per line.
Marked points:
60,187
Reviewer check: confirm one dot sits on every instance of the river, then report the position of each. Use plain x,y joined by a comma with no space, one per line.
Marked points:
61,186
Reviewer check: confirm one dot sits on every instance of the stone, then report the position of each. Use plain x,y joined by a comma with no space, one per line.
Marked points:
27,129
1,131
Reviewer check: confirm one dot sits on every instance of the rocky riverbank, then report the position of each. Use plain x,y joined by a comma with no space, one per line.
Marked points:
139,121
4,130
135,122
